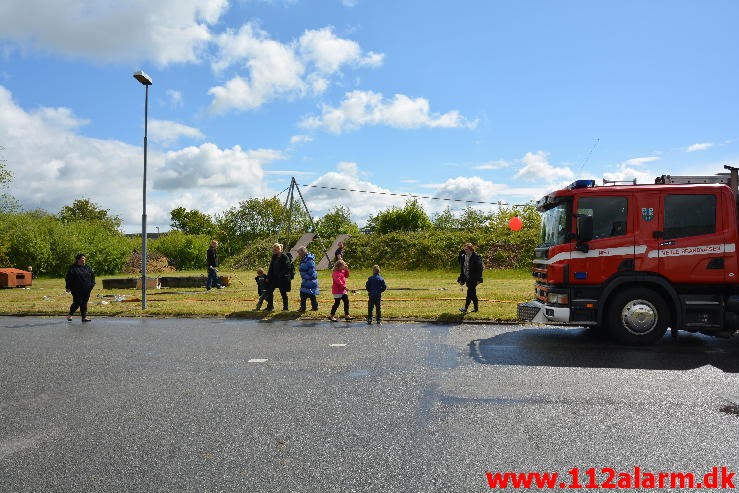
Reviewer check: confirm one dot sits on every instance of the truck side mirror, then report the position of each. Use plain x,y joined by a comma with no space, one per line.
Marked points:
584,228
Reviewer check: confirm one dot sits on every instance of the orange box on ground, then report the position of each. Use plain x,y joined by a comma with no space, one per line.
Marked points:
13,278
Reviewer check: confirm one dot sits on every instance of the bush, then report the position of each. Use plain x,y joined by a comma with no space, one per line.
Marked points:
439,249
49,246
185,252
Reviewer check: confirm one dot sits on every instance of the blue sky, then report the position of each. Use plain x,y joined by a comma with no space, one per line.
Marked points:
477,100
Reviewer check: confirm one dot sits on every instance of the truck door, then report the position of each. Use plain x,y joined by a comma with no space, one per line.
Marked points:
612,247
648,228
692,245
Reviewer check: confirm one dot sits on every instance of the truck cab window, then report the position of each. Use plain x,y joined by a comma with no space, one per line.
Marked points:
689,215
554,225
609,215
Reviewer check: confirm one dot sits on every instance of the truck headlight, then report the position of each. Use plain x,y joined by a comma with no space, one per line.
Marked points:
558,298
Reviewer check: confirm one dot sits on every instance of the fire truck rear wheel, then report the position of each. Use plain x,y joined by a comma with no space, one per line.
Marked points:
638,316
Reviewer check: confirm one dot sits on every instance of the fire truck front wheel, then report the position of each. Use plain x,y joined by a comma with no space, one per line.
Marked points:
638,316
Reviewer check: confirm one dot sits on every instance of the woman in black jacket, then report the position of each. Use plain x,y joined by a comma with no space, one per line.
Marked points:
470,264
80,280
278,276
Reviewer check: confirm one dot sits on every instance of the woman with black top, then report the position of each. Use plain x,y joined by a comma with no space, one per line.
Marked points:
470,264
278,276
79,281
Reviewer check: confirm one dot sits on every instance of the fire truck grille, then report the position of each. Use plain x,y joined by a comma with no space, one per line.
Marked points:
528,310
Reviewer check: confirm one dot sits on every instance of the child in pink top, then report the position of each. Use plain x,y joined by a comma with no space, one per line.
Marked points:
338,289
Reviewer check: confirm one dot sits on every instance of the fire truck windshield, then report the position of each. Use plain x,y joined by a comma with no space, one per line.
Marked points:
554,225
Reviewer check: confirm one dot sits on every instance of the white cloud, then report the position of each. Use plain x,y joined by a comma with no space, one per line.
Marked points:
211,167
167,132
165,31
175,98
360,108
640,161
274,69
469,188
300,139
348,168
347,177
537,168
60,117
52,166
627,171
700,147
490,165
476,192
329,53
627,174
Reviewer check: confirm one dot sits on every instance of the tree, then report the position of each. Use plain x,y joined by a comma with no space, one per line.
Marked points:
472,218
445,220
411,217
258,218
86,210
337,221
192,222
8,203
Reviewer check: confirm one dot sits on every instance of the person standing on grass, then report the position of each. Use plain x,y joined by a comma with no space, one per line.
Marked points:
375,286
338,289
79,281
470,264
212,258
261,280
309,279
278,276
339,253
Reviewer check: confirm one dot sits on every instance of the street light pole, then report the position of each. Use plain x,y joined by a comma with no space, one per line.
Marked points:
146,81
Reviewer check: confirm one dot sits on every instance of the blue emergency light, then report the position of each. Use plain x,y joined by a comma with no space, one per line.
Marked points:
580,184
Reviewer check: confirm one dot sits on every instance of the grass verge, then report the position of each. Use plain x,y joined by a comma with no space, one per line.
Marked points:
411,295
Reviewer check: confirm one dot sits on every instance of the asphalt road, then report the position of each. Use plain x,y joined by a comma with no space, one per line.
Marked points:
238,405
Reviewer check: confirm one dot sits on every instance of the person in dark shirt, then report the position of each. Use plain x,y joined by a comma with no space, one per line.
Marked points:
79,281
212,258
470,264
375,286
261,280
279,276
339,253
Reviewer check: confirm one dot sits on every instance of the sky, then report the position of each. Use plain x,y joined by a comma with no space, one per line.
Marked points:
473,100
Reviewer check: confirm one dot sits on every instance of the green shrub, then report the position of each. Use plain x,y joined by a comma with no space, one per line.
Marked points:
49,245
185,252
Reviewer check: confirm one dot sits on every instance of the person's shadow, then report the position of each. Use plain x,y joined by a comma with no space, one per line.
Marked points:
586,348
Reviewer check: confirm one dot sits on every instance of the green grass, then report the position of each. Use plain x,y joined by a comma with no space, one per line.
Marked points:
411,295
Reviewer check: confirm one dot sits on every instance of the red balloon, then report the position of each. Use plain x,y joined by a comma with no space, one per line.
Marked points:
515,223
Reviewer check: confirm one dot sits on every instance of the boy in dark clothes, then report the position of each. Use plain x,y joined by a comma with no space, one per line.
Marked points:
375,286
261,286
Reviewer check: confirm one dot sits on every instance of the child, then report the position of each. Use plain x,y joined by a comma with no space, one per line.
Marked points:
375,286
261,286
339,275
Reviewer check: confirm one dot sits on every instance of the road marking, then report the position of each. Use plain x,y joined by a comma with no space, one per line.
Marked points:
257,360
338,345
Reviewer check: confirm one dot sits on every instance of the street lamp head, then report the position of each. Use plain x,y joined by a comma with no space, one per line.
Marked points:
142,77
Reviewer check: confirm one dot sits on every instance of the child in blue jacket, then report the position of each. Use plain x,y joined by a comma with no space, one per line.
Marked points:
375,286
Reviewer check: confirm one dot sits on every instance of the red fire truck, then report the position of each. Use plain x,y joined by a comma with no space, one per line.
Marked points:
637,259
